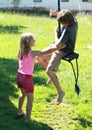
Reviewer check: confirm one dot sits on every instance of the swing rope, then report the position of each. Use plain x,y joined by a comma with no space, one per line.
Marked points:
59,27
76,75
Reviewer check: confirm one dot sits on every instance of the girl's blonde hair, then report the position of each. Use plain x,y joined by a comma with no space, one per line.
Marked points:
25,40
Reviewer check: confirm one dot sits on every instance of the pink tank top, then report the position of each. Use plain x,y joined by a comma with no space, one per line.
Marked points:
26,64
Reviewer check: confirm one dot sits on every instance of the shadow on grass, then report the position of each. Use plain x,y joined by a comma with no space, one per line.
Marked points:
11,29
8,93
34,125
38,67
38,79
7,78
85,122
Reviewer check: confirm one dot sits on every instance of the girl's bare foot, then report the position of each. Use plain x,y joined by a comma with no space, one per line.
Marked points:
20,115
60,97
27,120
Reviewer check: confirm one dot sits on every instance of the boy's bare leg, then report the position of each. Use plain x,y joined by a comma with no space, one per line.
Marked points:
21,101
29,106
55,81
43,60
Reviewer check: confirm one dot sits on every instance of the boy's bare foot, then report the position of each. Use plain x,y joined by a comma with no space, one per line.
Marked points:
60,97
48,81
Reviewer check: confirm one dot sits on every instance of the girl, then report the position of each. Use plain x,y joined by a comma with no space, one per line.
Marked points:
27,58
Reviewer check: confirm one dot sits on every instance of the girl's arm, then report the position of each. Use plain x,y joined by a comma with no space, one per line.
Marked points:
47,50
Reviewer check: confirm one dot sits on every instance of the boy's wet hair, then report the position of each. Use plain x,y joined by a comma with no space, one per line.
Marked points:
65,16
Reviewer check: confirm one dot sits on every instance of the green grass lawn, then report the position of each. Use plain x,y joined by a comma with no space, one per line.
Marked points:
75,113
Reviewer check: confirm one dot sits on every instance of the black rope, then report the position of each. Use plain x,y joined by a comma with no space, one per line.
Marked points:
58,5
76,75
59,27
77,71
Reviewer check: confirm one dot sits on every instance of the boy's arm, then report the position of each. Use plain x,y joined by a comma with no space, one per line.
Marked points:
60,42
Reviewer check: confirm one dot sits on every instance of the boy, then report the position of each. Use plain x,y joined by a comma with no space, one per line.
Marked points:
67,38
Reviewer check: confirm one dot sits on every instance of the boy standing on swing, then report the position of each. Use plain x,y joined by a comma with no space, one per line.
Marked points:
67,38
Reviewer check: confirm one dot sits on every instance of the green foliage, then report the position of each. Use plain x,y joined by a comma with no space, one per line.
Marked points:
75,113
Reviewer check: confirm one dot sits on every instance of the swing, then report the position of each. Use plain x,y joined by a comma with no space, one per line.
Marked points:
69,58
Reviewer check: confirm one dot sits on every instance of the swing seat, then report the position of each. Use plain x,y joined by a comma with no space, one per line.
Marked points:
69,58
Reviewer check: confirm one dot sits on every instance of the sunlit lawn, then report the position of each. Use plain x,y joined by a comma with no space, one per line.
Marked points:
75,113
